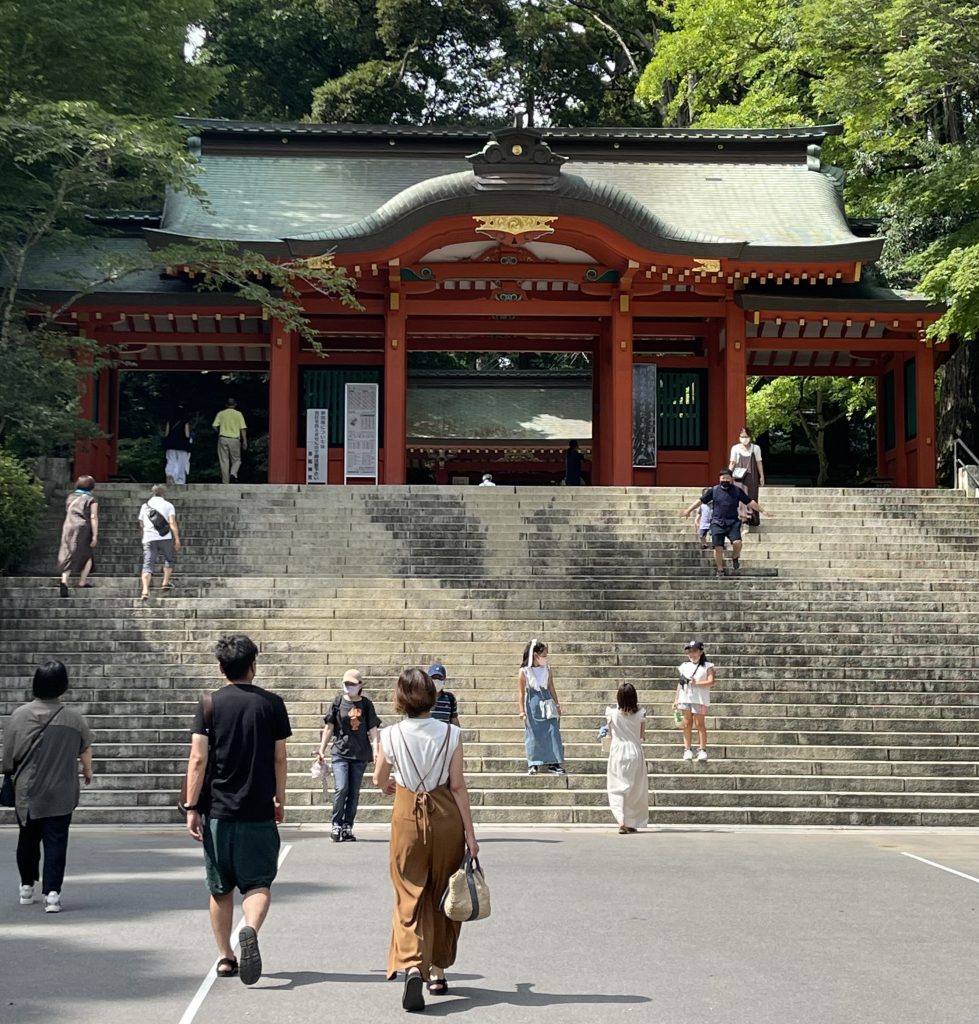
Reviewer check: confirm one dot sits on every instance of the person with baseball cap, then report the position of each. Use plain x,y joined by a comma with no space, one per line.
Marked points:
353,725
446,707
725,523
692,698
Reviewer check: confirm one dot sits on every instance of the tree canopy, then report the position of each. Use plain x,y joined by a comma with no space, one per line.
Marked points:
431,61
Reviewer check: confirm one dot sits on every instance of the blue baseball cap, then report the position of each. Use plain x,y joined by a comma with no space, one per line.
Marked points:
436,671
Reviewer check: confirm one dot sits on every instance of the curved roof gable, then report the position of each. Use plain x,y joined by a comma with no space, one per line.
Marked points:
756,202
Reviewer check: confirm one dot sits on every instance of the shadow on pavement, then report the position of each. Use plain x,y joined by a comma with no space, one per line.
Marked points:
460,1000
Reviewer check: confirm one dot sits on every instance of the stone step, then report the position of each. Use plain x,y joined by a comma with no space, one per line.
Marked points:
669,763
847,648
595,816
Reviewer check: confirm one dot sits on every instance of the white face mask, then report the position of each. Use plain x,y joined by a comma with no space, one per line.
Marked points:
353,689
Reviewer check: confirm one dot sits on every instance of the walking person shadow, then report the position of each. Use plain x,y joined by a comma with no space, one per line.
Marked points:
462,998
523,995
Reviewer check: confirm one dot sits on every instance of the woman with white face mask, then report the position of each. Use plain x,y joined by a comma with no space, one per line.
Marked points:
353,725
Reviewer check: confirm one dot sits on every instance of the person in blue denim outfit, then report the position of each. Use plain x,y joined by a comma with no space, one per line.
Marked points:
540,710
353,725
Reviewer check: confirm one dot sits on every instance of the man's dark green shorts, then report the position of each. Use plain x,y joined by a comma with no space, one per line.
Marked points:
240,854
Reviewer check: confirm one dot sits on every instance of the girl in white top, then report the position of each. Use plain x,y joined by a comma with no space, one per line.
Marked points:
693,697
420,761
627,781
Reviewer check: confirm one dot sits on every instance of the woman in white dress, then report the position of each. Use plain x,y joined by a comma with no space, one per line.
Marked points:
628,783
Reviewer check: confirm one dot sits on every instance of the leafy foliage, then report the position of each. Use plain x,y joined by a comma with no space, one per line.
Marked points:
810,404
77,147
889,72
432,61
126,56
21,501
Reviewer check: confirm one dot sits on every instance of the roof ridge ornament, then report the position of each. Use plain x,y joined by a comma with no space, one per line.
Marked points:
516,158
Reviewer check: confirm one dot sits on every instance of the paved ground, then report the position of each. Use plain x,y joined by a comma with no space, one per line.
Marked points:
721,926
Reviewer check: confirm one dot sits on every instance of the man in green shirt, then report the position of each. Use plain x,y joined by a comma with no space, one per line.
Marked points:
232,441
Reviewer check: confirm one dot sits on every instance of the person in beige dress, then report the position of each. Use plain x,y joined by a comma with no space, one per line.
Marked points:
79,534
420,762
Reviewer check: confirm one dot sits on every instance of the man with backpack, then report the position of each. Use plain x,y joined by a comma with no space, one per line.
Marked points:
161,538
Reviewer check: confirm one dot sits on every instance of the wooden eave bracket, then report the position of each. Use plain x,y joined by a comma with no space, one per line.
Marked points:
394,284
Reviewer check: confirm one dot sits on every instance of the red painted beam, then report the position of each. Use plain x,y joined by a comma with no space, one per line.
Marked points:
854,345
515,343
813,371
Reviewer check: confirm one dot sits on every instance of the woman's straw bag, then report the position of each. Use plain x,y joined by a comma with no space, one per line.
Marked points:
467,897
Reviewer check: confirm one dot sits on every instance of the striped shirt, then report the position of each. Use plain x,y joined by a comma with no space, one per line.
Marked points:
446,707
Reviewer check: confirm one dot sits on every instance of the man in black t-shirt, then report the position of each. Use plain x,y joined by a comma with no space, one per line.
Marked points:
236,789
353,726
725,524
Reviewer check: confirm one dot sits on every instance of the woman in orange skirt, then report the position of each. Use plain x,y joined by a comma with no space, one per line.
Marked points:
420,761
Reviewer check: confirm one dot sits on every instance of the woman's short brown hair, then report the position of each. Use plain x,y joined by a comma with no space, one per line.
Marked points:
627,699
415,693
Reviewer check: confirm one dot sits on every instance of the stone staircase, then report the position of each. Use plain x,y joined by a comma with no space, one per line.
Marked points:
846,649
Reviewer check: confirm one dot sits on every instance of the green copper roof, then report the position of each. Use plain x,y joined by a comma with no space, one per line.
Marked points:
301,189
356,201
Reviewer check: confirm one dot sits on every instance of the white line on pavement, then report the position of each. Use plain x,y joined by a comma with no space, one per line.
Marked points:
941,867
195,1004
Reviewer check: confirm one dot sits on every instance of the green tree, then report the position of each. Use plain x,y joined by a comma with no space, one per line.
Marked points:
21,500
127,56
885,69
273,54
75,148
812,405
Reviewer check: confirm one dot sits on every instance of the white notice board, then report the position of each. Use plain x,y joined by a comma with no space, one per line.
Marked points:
360,432
317,445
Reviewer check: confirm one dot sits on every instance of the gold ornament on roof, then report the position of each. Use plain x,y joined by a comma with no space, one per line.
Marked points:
707,266
515,229
322,262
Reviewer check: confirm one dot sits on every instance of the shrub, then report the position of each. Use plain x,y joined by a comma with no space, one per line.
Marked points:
21,501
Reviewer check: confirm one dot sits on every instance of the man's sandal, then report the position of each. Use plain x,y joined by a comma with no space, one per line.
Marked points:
227,967
438,987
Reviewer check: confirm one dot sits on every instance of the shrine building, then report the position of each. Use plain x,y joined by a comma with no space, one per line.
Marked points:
678,262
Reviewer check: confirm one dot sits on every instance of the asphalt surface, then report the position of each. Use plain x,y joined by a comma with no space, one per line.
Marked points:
732,927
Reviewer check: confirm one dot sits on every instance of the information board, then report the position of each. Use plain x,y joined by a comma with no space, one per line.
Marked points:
644,415
360,432
317,445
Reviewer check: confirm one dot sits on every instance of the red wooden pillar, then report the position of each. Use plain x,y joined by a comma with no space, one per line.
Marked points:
717,443
618,419
881,421
900,427
92,456
283,404
113,421
395,392
736,375
600,403
924,366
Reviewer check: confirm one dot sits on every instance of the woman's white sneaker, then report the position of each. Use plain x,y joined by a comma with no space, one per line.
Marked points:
701,754
26,895
52,903
688,754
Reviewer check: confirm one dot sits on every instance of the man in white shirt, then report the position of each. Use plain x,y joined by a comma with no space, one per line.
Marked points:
487,480
161,538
